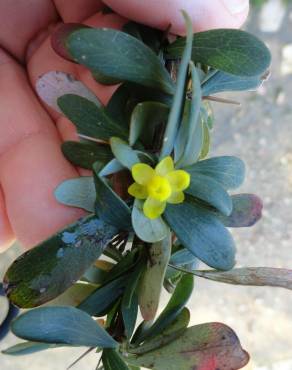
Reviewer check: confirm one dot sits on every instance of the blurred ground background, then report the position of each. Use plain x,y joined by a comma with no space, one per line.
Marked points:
260,132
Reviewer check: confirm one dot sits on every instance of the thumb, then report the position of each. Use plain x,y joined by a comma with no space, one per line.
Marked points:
205,14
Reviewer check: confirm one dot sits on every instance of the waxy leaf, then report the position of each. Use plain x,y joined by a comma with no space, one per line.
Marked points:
172,310
52,85
221,81
254,276
176,110
233,51
109,206
120,56
110,168
130,314
86,154
123,152
28,348
90,119
42,274
79,192
228,171
209,346
203,234
101,300
211,192
146,121
148,230
62,325
8,313
190,136
182,257
111,360
153,277
247,210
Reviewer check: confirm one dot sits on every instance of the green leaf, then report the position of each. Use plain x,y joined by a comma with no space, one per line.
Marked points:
228,171
247,210
211,192
169,334
221,81
101,300
133,282
118,55
176,111
73,296
86,154
123,152
253,276
153,277
189,132
229,50
204,235
61,325
113,361
79,192
130,315
147,118
173,309
109,206
28,348
205,346
90,119
148,230
42,273
52,85
206,141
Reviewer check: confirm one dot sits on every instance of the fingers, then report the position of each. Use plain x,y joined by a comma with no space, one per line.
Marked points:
20,21
6,234
205,14
78,10
31,162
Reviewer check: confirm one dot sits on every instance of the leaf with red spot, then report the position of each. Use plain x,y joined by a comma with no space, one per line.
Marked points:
210,346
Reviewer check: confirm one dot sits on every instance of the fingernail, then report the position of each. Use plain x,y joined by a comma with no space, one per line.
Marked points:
236,6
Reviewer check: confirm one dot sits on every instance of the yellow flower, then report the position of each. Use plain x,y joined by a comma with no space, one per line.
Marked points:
158,186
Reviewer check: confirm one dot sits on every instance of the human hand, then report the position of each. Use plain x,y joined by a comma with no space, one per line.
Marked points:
31,162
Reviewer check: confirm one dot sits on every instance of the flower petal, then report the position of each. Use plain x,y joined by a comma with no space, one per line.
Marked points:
179,180
138,191
176,198
165,166
159,188
142,173
153,208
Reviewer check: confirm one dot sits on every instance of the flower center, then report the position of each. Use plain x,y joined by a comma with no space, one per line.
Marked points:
159,188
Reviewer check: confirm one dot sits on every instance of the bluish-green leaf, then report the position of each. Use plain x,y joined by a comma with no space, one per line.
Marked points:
221,81
190,136
61,325
247,210
174,307
130,314
148,230
79,192
182,257
203,234
118,55
111,360
42,274
90,119
99,301
211,192
229,50
146,119
176,111
228,171
110,207
86,154
123,152
110,168
153,277
28,348
8,312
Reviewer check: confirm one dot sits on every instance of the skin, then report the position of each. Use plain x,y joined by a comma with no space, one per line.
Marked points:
31,163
